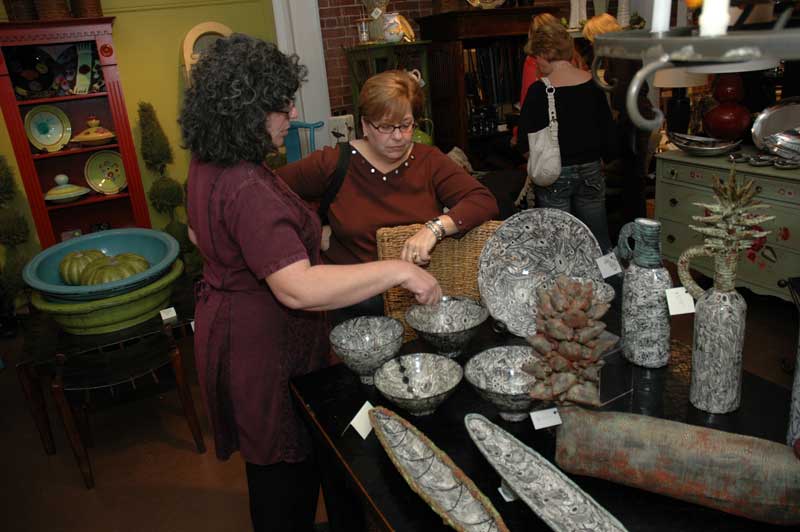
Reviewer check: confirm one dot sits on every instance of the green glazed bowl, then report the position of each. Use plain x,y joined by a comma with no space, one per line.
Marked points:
112,313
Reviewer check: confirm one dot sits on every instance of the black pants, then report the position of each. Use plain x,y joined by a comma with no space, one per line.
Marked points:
283,496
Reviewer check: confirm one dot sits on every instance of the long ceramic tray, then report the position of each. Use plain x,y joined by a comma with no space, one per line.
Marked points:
434,476
557,500
527,249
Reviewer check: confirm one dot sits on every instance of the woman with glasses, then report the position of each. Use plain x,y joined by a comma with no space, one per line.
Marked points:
262,275
390,180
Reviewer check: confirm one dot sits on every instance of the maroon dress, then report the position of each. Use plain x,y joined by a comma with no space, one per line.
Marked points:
249,224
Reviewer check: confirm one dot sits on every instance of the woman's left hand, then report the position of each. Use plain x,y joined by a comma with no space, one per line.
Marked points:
417,249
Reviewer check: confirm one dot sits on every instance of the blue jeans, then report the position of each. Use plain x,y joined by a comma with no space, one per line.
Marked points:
580,190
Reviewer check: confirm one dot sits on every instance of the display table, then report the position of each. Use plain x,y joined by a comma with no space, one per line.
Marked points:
364,491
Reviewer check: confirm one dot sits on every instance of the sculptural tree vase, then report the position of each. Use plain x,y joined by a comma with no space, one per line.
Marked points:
645,316
794,410
719,322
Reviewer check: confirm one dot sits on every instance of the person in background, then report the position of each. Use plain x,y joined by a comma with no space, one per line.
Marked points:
634,144
530,72
256,324
390,181
585,130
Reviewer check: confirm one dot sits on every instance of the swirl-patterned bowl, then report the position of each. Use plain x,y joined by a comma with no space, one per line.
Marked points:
497,376
366,342
448,325
418,382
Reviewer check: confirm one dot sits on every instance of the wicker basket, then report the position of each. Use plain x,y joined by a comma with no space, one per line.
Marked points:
52,9
20,10
86,8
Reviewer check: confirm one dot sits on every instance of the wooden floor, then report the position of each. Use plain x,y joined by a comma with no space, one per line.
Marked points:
149,477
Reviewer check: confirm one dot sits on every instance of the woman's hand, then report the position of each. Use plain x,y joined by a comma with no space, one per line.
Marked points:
417,249
423,285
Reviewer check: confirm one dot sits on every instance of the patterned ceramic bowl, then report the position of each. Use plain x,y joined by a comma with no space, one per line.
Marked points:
419,382
448,325
366,342
497,376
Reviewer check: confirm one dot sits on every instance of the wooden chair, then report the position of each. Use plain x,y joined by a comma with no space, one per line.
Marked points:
454,263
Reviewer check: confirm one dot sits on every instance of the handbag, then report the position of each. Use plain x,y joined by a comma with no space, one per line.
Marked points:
544,157
544,161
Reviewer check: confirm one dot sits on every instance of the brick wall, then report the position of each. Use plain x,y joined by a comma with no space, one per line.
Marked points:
338,22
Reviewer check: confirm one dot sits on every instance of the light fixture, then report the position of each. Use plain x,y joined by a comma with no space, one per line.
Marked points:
762,63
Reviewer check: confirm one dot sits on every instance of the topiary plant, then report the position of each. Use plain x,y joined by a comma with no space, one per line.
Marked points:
165,194
14,231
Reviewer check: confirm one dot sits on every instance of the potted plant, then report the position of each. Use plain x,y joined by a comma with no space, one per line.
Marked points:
14,232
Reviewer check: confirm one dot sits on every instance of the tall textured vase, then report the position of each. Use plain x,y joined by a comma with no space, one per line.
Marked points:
624,13
730,225
719,322
645,316
794,410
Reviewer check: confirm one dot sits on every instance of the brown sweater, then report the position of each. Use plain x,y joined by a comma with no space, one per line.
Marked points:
414,192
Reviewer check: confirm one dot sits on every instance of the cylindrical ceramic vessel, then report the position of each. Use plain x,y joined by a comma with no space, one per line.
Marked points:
719,322
794,410
645,316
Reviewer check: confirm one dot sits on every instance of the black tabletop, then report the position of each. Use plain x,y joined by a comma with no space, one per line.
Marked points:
331,397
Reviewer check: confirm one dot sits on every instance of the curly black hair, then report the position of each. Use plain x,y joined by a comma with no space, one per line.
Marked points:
236,83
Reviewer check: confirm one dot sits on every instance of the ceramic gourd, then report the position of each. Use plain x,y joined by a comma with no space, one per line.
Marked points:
109,269
645,316
72,265
719,321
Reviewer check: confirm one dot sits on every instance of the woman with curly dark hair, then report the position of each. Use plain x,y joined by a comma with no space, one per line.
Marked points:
262,274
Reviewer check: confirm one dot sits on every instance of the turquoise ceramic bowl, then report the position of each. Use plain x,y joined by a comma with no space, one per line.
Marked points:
159,248
112,313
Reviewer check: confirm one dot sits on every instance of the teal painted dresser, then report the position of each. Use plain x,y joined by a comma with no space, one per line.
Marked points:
683,179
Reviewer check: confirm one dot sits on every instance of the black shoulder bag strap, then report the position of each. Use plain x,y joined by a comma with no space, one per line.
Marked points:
337,178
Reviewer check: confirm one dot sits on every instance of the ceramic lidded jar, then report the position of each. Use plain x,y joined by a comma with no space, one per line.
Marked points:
645,316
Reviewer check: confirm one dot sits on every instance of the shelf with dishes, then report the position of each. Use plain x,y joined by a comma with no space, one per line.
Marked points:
74,151
92,197
59,99
49,128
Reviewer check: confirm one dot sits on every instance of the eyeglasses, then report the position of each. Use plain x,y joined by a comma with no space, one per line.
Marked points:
388,129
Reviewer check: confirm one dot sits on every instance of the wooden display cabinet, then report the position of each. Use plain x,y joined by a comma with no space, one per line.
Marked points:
38,167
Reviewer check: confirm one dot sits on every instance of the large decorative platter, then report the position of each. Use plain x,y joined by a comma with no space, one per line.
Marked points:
105,173
47,128
527,249
557,500
434,476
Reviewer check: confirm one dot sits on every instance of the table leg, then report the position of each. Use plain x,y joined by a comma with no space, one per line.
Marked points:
32,388
185,394
71,428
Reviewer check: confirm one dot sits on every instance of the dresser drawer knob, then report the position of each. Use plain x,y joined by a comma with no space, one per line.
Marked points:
673,173
783,283
673,202
670,239
759,189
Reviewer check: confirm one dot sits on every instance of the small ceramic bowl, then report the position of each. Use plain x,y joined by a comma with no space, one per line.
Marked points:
366,342
419,382
496,374
448,325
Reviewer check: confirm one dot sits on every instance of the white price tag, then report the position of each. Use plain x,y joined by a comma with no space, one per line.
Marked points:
609,265
679,301
192,324
376,13
507,495
545,418
169,314
361,421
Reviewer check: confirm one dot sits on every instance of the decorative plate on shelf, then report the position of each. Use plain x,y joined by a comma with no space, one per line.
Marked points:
47,127
105,173
556,499
434,476
530,247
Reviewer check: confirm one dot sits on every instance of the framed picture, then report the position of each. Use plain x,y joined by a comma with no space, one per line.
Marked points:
199,39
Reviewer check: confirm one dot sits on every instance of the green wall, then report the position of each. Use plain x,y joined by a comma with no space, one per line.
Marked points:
148,36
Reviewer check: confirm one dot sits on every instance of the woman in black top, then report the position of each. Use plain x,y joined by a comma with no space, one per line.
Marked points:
585,130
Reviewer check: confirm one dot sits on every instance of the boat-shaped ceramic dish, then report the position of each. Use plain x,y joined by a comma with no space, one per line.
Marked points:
557,500
434,476
530,247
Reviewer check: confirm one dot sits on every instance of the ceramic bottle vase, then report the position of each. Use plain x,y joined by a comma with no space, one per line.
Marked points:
645,316
719,321
794,410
